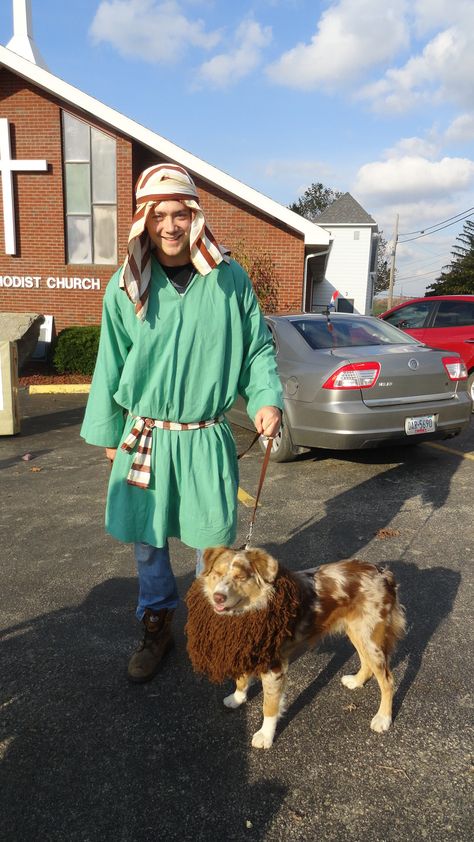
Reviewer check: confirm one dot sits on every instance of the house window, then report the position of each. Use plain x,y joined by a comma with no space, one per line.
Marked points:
344,305
91,193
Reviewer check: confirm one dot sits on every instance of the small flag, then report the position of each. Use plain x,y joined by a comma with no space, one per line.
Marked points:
332,303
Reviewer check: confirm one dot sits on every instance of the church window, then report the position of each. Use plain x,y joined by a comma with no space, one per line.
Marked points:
90,193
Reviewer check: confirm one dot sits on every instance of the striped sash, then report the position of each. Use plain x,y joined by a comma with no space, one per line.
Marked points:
142,432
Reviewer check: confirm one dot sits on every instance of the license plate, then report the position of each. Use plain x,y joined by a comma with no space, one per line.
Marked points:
420,424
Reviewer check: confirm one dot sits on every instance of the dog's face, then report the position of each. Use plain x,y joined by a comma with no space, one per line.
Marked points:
237,581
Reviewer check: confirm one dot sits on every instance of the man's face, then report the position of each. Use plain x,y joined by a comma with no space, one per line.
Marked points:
169,227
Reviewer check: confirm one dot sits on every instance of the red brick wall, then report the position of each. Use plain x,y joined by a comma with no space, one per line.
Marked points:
233,223
35,131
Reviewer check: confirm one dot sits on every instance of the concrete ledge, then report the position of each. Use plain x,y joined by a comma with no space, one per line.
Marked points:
52,388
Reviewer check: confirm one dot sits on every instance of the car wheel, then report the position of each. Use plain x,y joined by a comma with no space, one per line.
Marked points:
283,449
470,387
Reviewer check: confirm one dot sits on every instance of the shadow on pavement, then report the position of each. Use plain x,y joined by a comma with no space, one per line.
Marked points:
46,421
88,756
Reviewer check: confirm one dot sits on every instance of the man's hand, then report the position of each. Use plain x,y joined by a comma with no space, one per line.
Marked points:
110,453
267,421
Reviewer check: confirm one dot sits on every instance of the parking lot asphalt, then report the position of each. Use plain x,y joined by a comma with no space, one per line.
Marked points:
86,756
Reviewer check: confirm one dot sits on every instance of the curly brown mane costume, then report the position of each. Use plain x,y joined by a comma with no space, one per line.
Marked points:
229,646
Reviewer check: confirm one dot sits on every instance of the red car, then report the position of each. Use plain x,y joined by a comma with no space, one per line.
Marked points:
441,321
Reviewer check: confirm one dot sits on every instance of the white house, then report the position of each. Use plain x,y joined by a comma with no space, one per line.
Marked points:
351,268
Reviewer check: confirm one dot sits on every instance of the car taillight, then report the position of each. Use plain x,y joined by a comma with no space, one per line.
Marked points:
354,376
455,367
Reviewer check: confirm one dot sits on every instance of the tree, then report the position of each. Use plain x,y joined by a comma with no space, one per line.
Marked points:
382,280
314,200
458,276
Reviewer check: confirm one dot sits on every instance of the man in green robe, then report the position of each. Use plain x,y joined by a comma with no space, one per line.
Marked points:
182,335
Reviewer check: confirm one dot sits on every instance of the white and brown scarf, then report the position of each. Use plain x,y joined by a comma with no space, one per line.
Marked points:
159,183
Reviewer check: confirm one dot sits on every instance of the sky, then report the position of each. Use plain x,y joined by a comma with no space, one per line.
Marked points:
375,98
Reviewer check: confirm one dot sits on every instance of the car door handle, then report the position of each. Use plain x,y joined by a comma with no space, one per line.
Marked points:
469,341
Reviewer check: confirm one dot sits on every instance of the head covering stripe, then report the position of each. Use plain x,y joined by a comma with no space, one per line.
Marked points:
160,183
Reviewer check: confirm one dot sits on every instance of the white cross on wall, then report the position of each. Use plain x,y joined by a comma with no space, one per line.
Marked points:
8,165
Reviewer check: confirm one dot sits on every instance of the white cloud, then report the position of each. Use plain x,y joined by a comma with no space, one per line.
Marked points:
429,15
442,72
409,178
461,129
352,36
150,30
416,215
413,147
240,59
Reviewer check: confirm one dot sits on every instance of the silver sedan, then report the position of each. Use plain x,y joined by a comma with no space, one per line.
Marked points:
353,382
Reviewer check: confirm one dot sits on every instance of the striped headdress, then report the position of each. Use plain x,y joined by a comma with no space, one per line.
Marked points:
160,183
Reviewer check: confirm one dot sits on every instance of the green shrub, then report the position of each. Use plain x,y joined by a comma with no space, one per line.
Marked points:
75,350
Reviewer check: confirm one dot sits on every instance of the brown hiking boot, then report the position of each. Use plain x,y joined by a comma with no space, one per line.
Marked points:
157,641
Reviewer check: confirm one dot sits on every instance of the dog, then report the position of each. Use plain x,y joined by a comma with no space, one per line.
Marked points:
247,615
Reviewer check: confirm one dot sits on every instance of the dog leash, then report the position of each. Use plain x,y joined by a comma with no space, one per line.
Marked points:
263,471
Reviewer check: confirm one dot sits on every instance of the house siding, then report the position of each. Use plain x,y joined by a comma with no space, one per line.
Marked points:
347,268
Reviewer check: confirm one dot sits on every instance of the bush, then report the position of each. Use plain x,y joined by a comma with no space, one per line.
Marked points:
75,350
262,272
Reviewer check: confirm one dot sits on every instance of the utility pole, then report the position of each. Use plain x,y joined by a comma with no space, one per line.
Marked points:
392,265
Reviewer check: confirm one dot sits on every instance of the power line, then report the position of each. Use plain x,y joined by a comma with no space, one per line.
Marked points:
441,228
425,260
415,277
422,231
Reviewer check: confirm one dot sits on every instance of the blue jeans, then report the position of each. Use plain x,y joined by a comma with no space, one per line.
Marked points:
157,587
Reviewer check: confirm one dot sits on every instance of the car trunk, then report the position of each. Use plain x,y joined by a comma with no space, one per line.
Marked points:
399,380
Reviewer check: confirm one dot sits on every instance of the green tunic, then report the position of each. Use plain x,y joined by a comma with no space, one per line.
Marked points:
187,361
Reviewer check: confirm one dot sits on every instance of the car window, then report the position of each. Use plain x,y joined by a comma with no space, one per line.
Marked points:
454,314
349,333
412,316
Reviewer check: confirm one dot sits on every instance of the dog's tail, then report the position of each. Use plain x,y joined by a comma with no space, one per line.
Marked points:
396,620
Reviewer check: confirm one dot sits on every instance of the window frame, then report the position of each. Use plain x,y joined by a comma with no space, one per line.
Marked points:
401,310
67,161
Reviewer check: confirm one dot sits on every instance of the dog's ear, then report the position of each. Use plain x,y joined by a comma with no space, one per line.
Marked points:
209,558
263,564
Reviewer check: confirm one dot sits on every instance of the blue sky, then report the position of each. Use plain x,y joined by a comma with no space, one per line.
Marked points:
374,98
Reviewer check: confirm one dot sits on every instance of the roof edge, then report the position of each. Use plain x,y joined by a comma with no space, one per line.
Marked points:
313,234
349,225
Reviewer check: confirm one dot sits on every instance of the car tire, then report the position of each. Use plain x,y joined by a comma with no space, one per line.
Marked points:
283,449
470,387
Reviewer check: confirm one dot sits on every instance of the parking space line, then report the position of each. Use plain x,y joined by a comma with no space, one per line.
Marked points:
245,498
449,450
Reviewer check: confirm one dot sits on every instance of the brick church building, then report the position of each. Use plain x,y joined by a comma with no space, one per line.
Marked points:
68,166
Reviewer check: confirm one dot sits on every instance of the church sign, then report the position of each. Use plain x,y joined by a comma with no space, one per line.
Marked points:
50,282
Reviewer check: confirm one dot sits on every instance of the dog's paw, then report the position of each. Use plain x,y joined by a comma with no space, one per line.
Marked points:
262,740
235,699
380,723
351,682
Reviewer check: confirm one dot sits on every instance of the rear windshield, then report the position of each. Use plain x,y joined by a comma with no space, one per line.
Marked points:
349,332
